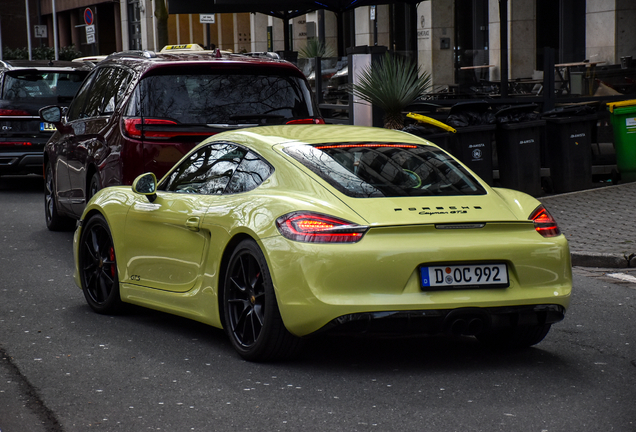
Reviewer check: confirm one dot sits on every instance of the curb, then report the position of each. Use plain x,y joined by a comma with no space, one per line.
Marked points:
603,260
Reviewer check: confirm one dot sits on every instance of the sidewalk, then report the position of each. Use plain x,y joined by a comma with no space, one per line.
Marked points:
600,225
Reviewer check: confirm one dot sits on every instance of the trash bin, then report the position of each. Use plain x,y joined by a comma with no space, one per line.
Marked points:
518,138
567,148
472,144
623,118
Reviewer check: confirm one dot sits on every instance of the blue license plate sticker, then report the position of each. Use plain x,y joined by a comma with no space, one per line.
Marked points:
47,127
475,275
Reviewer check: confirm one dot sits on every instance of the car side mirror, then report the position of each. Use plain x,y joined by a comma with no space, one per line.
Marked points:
146,184
51,114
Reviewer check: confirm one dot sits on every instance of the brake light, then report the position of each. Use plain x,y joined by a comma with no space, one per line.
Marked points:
333,146
306,121
318,228
544,223
134,127
13,112
15,143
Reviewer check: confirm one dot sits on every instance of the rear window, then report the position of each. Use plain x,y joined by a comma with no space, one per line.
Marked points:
227,97
25,85
362,170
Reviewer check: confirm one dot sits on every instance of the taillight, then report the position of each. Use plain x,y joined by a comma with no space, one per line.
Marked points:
318,228
15,143
306,121
13,112
134,127
544,223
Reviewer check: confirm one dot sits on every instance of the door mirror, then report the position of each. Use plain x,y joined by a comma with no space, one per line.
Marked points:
146,184
51,114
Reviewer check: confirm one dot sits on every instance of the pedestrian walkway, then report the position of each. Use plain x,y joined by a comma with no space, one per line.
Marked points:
600,224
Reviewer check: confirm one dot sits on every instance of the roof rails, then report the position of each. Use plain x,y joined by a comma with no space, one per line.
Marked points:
266,54
134,53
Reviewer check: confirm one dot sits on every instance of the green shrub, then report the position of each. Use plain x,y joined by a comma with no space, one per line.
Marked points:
41,53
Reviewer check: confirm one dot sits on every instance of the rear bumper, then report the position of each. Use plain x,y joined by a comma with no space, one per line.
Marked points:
21,162
461,321
318,284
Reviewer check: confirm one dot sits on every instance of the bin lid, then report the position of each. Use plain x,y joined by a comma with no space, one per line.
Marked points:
423,106
516,109
621,104
569,111
472,106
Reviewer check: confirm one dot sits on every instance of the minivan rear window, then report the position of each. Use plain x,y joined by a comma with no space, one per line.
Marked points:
373,169
33,84
232,98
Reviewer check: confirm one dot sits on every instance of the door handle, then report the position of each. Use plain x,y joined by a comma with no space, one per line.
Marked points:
193,223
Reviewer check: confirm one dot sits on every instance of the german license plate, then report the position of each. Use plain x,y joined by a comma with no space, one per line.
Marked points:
47,127
473,275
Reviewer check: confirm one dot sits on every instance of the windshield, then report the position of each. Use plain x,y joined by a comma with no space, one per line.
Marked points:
24,85
362,170
234,97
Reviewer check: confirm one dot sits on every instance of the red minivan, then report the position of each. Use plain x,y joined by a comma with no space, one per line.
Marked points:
142,111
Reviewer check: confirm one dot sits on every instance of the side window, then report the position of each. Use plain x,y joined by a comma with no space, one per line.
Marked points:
76,109
207,171
250,174
102,91
120,80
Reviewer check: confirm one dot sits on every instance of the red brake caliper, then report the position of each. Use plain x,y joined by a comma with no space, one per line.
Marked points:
111,253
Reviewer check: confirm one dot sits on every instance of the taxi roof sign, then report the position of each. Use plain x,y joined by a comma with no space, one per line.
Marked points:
185,47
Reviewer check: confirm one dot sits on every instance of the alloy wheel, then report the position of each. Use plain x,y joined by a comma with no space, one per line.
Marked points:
246,299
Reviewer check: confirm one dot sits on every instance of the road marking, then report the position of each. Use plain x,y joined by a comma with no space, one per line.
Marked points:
623,277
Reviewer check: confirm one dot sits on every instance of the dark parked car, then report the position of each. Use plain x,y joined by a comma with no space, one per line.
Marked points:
25,87
142,111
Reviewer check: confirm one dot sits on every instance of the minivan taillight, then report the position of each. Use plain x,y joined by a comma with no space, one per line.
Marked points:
134,128
319,228
306,121
544,223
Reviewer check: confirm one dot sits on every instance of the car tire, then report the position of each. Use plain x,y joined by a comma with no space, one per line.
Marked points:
54,221
251,316
93,187
97,266
515,337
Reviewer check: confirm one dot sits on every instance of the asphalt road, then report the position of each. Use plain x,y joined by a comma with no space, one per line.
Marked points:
64,368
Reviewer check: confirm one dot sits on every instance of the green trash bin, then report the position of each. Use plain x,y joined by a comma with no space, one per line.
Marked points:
623,117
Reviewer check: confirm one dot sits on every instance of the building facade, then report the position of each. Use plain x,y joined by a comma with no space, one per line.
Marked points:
455,41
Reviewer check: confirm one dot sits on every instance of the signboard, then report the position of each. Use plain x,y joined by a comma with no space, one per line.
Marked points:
88,16
206,18
90,34
40,31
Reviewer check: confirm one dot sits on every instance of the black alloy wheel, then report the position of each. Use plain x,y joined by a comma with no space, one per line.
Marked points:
54,221
251,316
98,267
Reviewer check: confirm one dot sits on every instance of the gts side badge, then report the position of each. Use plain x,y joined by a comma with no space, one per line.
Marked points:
440,210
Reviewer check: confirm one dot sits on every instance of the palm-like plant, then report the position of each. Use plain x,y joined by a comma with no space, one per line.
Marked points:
391,83
315,48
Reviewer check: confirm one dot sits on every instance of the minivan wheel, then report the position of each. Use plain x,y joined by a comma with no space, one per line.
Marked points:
54,221
93,187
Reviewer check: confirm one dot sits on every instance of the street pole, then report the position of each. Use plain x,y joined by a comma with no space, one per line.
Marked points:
1,58
28,22
57,57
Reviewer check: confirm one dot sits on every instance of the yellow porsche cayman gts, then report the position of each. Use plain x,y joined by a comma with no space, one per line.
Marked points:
277,233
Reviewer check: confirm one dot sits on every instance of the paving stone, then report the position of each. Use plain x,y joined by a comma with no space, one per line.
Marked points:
600,224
